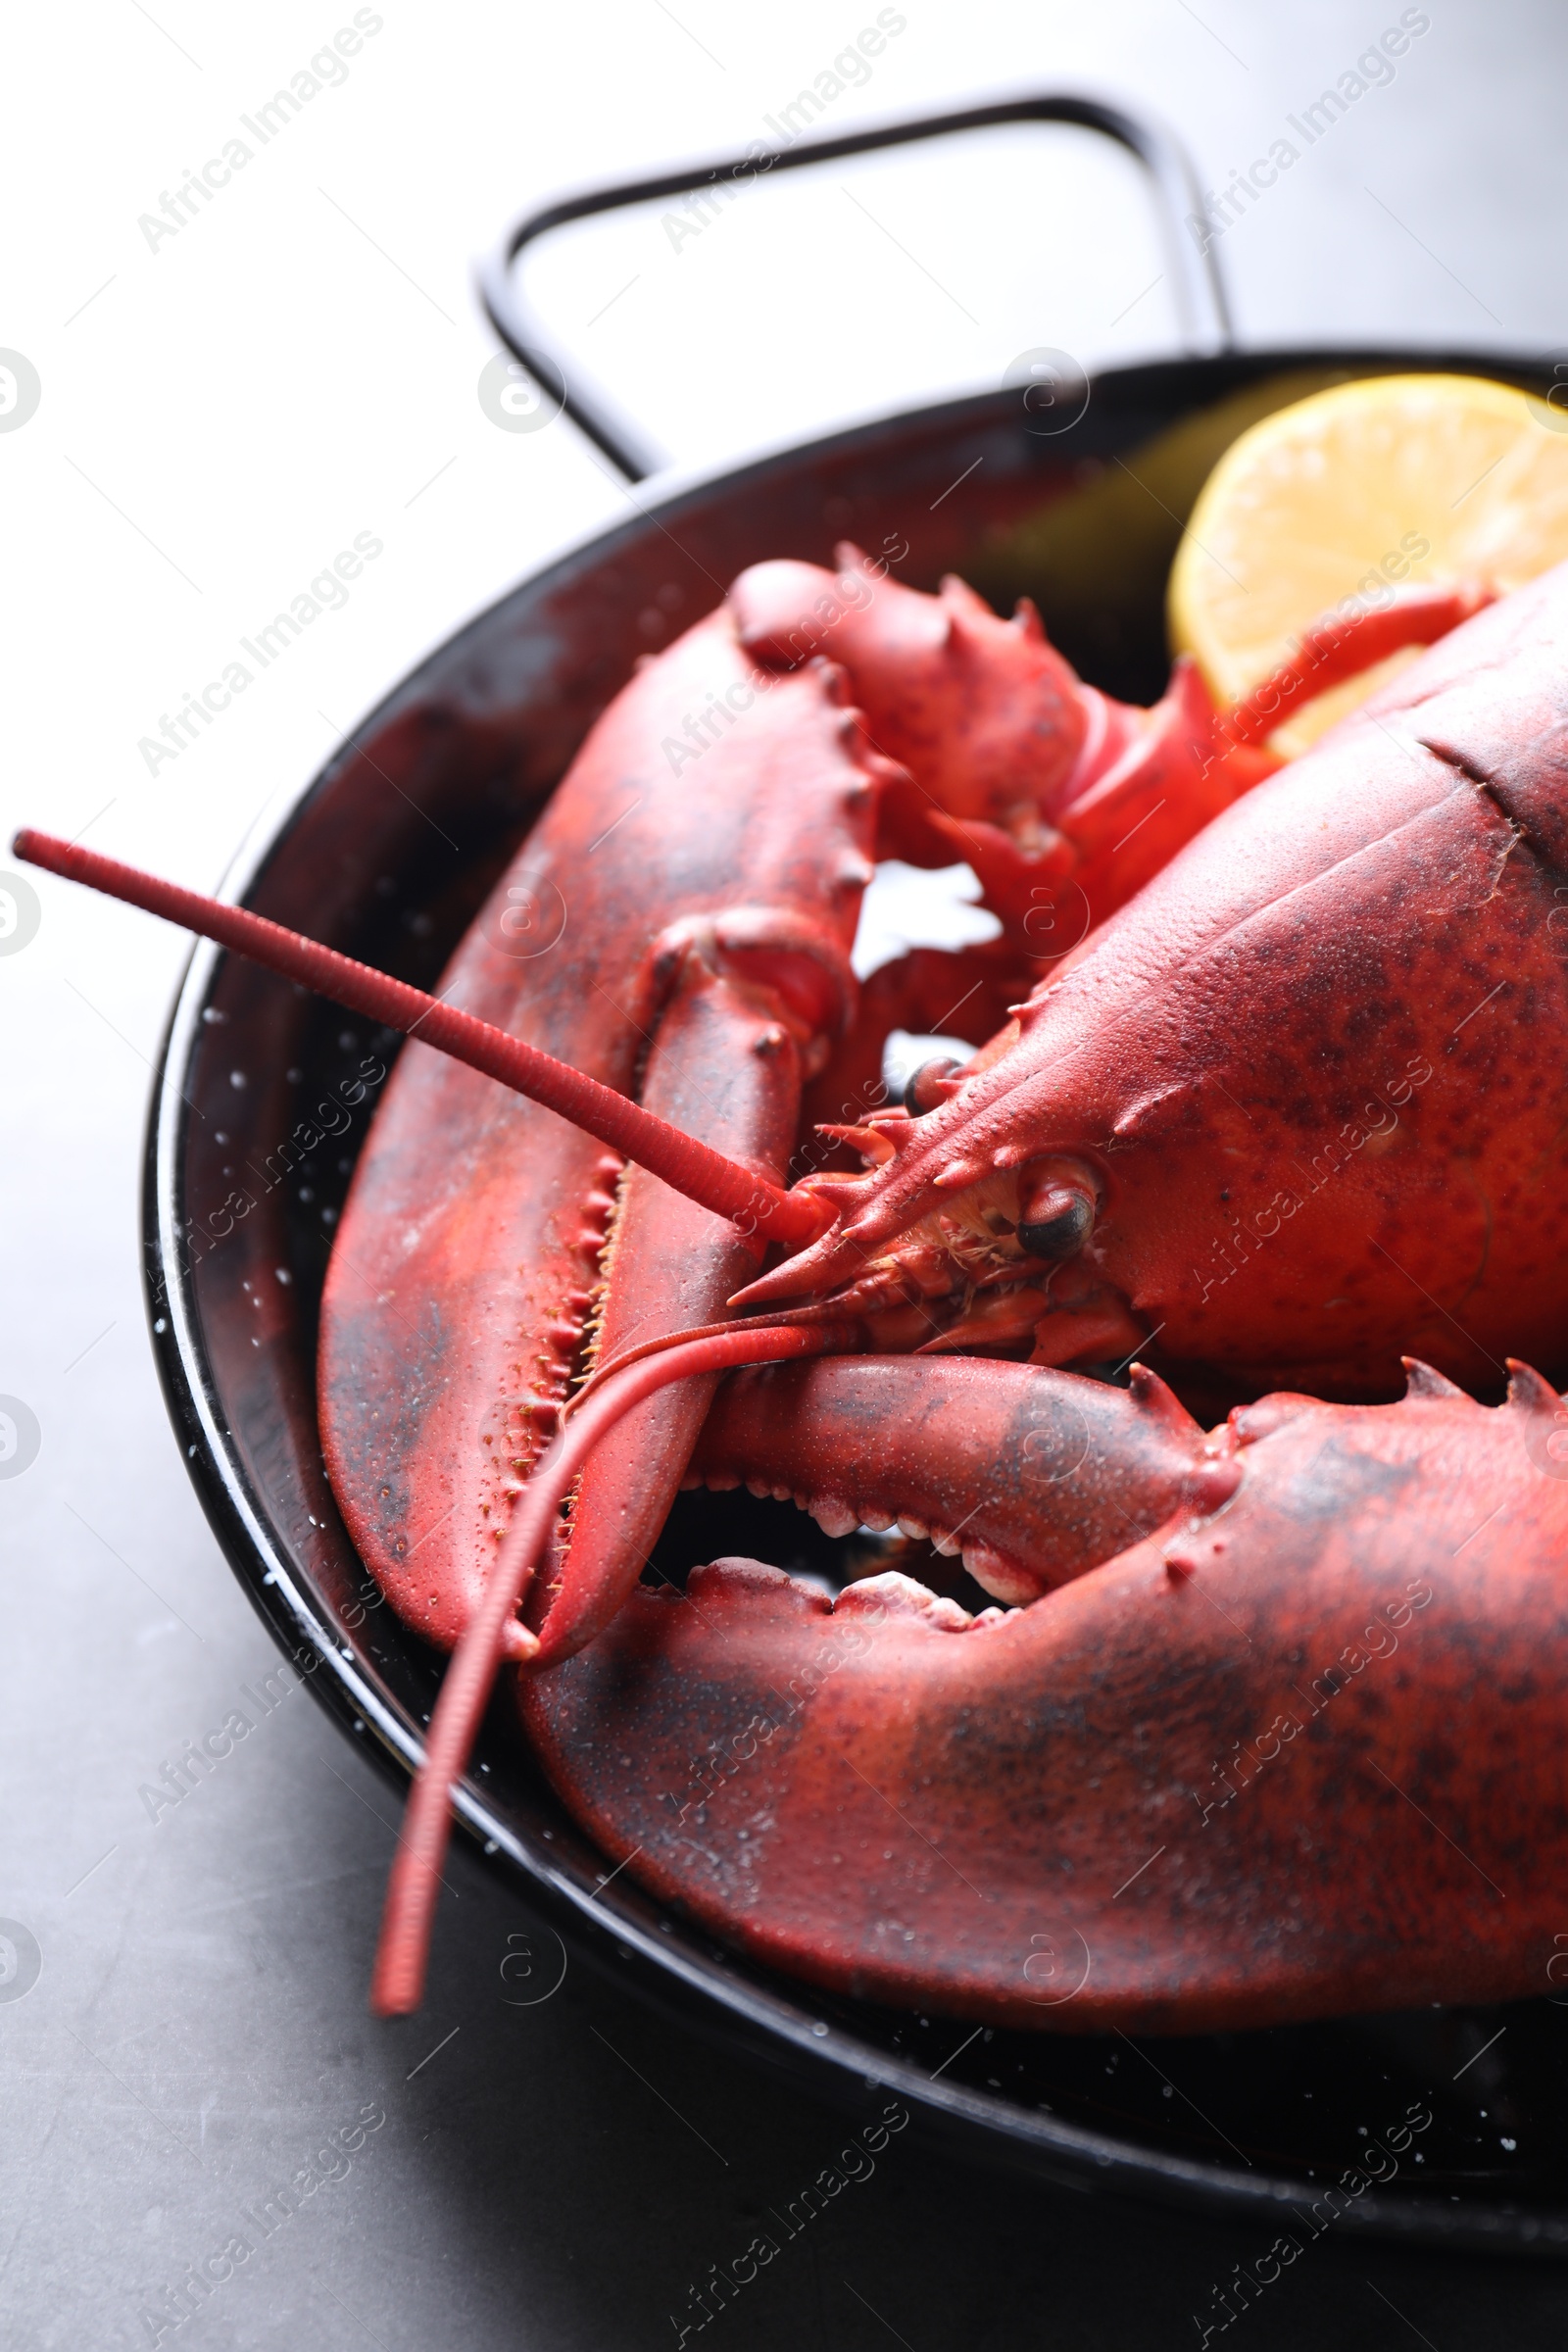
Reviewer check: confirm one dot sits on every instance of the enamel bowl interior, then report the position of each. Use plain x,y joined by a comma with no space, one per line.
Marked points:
260,1109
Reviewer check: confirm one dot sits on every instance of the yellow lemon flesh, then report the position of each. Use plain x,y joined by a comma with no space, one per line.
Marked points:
1332,504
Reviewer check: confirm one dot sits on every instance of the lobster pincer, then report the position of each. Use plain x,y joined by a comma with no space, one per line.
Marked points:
1147,1799
690,895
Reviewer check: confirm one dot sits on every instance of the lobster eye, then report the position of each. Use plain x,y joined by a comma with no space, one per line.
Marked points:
929,1087
1063,1229
1057,1211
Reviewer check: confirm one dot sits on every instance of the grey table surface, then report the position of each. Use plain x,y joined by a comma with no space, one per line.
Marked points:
227,397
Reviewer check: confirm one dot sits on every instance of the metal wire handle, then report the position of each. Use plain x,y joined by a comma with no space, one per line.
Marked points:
1198,288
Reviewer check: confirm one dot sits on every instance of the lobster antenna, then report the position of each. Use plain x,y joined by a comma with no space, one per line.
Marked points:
789,1318
688,1167
398,1983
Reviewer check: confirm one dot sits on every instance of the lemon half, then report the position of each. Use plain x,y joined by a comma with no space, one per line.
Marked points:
1335,502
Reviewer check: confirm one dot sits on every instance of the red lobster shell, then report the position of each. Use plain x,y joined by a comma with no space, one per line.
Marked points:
1304,1087
1287,1757
1298,1108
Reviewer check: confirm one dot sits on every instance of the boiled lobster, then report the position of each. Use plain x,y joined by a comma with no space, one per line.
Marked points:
1294,1112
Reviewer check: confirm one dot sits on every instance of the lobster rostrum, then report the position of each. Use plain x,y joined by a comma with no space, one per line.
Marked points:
1293,1112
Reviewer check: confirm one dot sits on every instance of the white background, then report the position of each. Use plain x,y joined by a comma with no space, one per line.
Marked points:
218,418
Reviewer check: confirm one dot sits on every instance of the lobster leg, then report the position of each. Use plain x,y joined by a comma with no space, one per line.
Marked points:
1146,1800
967,992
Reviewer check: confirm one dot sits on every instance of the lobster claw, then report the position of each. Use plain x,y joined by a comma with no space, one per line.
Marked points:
1032,1475
987,717
1119,829
1062,800
1065,800
1147,1799
487,1249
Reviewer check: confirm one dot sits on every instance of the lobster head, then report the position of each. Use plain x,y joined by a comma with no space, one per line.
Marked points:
1289,1109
